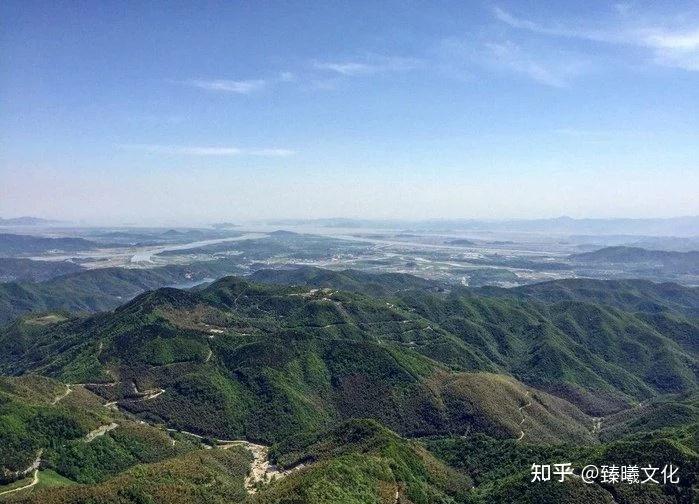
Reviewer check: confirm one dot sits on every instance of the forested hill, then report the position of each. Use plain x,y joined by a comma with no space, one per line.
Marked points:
28,270
417,393
628,295
101,289
677,262
577,351
378,284
14,244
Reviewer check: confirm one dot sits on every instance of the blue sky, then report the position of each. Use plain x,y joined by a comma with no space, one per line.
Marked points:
171,111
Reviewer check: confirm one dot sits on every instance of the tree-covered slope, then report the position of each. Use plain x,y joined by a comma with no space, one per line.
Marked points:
662,260
395,393
263,362
596,356
376,284
501,471
195,477
48,425
14,244
358,462
98,289
628,295
29,270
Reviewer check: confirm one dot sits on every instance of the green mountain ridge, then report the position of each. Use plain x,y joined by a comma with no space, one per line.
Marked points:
15,244
28,270
99,289
311,340
395,389
688,261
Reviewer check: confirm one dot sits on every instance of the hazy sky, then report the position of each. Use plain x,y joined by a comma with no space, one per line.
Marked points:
196,111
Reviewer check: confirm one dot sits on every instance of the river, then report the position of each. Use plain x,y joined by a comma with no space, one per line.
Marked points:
146,255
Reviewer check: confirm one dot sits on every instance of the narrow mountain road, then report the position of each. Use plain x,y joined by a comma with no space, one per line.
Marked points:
261,469
63,396
521,412
185,432
109,384
148,395
34,467
35,480
100,431
235,301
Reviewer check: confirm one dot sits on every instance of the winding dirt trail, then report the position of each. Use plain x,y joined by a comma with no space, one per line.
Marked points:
261,469
34,467
100,431
148,395
96,384
63,396
152,394
521,412
35,480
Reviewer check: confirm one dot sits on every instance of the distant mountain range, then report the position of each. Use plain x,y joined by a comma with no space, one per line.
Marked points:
26,221
15,244
224,225
27,270
97,289
677,262
674,226
627,295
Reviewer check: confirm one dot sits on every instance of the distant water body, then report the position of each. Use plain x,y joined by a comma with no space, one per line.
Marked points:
147,254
